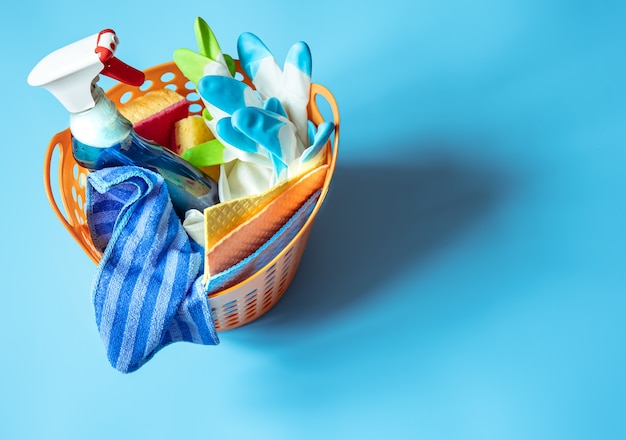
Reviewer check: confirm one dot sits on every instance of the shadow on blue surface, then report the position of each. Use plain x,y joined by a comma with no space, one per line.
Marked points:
362,237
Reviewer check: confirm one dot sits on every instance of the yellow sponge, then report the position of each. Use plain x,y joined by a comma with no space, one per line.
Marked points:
192,131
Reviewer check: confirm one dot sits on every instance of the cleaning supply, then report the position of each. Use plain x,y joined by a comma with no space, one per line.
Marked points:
148,289
249,236
262,133
209,60
289,85
233,230
101,136
193,224
191,134
266,252
261,136
155,114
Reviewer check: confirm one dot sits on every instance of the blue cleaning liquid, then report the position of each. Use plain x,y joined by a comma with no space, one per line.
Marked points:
188,187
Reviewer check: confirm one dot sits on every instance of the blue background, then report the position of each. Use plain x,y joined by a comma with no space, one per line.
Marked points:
465,278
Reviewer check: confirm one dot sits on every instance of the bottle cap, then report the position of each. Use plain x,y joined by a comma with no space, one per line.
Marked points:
68,73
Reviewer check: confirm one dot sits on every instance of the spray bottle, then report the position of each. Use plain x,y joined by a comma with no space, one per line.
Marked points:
101,136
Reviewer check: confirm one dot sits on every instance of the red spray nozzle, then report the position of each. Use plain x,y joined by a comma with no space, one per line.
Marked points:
113,67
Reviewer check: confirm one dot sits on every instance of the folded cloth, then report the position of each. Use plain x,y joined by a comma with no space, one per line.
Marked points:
244,239
148,289
265,253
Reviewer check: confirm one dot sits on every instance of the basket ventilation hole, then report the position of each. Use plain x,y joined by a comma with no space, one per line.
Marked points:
193,96
171,87
126,97
78,217
167,77
75,171
146,85
189,85
74,194
266,304
195,108
250,306
82,180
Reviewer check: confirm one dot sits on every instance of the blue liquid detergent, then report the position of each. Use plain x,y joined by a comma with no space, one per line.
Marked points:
188,187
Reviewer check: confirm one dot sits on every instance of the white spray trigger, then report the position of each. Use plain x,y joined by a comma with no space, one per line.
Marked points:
68,72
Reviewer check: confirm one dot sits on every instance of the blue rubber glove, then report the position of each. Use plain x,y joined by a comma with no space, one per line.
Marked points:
291,85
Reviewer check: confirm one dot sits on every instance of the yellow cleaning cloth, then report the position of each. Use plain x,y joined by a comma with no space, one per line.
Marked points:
224,217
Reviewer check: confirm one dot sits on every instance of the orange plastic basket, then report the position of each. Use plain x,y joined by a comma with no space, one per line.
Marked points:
237,305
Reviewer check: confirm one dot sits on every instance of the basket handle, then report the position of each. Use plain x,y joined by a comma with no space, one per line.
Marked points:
55,144
317,118
58,142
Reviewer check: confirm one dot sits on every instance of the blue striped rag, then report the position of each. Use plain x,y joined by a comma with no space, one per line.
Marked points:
148,290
